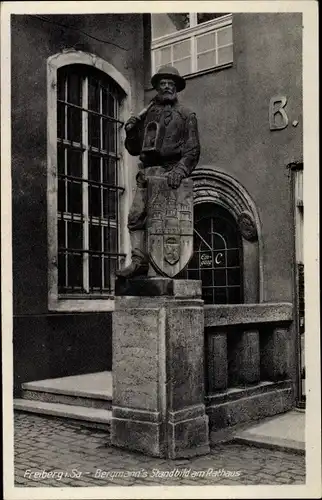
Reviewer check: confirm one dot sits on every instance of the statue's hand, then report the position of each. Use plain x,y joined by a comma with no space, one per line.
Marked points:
174,178
131,123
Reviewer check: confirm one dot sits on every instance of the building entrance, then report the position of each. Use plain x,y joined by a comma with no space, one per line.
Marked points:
217,258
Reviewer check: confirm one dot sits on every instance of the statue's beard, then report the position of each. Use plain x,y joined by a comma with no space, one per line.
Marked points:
166,98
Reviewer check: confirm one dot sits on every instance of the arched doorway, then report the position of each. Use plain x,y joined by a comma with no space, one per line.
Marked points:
220,198
217,259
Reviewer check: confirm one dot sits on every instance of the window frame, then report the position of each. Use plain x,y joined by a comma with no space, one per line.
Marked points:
191,34
86,183
126,180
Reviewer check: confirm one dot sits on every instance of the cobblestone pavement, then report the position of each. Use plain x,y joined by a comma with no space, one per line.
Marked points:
53,452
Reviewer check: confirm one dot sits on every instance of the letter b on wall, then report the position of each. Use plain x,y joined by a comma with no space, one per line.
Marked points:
278,118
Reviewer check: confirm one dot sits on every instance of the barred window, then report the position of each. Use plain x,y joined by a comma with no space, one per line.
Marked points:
217,255
88,190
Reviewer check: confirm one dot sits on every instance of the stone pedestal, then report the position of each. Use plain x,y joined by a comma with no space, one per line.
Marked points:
158,369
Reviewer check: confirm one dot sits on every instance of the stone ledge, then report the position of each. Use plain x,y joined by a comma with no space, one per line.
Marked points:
156,287
225,315
187,413
126,302
249,408
51,397
123,413
235,393
97,415
269,443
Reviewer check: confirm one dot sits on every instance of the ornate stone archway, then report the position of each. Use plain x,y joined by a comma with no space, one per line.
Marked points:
217,187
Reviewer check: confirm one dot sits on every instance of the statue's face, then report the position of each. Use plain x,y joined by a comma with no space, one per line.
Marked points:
167,90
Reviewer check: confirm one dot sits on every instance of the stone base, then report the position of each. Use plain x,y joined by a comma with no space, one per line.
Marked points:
146,433
137,435
229,409
158,372
188,438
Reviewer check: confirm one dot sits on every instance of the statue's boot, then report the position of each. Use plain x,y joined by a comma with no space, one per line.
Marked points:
140,263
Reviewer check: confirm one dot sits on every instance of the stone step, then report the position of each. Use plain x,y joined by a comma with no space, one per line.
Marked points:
73,400
285,432
92,390
89,417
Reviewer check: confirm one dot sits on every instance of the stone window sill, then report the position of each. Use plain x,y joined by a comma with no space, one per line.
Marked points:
81,305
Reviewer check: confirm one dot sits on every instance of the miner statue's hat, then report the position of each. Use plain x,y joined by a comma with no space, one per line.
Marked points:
171,73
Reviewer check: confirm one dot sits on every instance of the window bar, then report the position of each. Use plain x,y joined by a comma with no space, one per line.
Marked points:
193,19
222,286
61,271
108,241
62,243
201,238
85,190
103,249
226,272
101,213
108,238
65,184
199,259
71,210
97,252
117,193
241,290
95,183
95,113
66,253
65,108
212,259
216,47
194,54
214,268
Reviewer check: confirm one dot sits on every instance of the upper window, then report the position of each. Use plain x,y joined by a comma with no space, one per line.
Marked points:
217,255
191,42
88,191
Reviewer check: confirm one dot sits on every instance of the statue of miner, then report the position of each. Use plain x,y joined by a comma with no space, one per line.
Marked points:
165,135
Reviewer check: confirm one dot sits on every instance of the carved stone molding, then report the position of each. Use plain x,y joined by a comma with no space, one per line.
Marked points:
213,186
247,226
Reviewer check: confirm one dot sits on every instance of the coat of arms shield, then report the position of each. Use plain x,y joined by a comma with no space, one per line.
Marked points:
169,225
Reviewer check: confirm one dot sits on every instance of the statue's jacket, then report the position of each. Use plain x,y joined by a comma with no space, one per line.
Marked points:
178,138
